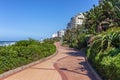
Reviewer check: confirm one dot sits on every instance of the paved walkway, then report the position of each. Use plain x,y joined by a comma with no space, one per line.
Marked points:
68,64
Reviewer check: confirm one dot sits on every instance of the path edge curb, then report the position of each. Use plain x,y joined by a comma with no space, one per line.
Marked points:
93,71
11,72
91,68
89,65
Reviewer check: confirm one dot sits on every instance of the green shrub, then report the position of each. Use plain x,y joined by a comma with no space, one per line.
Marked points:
24,52
104,54
103,51
82,41
111,67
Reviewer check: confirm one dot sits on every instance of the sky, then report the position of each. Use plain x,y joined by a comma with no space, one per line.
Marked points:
38,19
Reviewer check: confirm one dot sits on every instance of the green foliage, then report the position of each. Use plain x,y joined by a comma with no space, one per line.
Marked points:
104,54
82,41
107,12
110,64
27,43
76,37
56,39
24,52
50,41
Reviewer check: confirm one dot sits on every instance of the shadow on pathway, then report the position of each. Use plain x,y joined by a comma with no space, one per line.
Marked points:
75,66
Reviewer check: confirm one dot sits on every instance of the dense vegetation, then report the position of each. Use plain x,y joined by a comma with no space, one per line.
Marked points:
104,54
24,52
100,35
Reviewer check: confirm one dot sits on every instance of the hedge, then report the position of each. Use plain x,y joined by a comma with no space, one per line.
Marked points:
24,52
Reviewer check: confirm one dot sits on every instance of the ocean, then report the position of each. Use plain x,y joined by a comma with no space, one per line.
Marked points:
7,43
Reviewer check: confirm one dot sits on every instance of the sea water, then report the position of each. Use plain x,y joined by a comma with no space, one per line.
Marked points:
7,43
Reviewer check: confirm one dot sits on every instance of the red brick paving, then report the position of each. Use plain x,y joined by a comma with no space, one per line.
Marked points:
75,67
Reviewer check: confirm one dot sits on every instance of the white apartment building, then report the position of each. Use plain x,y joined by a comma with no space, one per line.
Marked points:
54,35
61,33
75,21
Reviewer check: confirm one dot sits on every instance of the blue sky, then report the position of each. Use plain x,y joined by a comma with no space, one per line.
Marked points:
23,19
